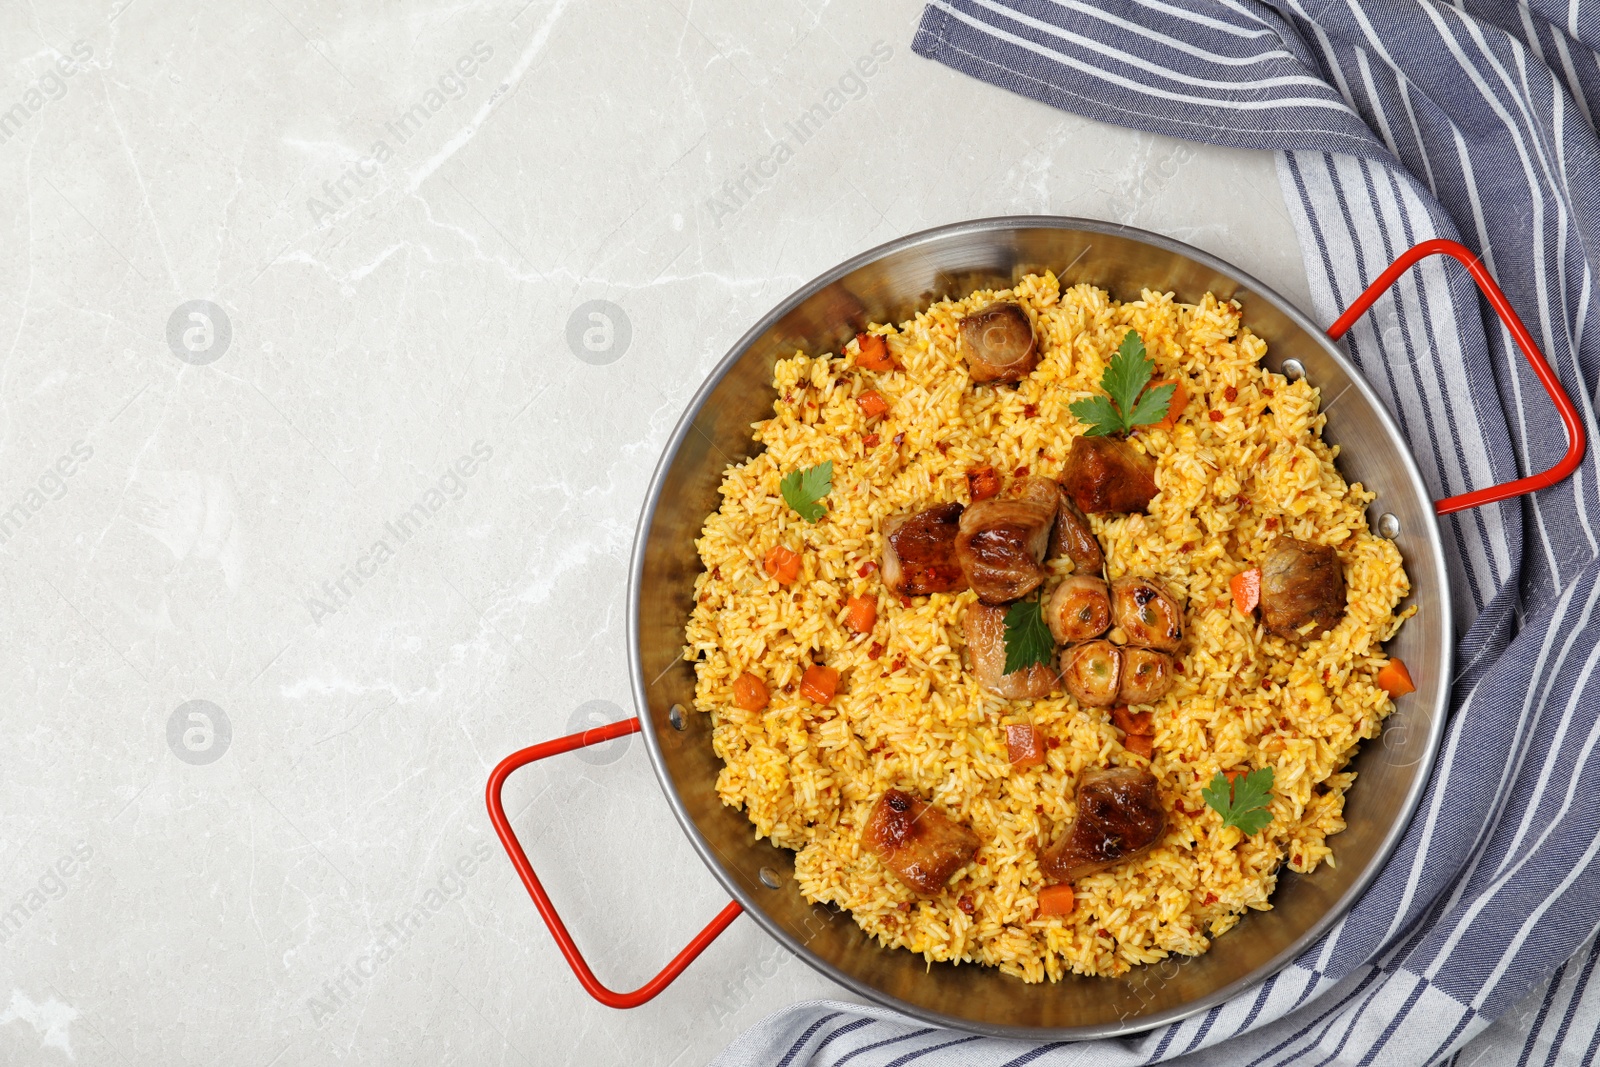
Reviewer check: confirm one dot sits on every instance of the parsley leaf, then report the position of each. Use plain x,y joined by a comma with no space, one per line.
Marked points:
1124,381
802,489
1152,406
1101,415
1028,639
1243,802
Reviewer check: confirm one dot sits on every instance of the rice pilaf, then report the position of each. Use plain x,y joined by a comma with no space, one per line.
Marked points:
1243,466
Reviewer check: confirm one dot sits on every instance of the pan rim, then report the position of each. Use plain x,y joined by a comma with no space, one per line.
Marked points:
747,899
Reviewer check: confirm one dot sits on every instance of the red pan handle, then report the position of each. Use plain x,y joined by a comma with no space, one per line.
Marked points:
541,899
1502,307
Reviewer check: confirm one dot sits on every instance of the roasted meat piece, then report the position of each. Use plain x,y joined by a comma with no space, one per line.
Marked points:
1107,474
1092,673
1146,675
919,843
1001,545
1074,538
1148,614
985,630
1078,610
1301,582
919,552
998,343
1119,817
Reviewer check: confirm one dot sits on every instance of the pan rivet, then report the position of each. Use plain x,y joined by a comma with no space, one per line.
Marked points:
769,877
1294,370
675,717
1388,526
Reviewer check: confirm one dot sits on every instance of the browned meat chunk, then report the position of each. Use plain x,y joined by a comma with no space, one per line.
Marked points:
1001,546
919,552
1301,583
1146,675
998,343
985,629
919,843
1148,614
1119,817
1106,474
1078,610
1036,490
1074,538
1092,673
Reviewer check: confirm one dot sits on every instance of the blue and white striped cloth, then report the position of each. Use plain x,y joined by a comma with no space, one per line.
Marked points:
1393,121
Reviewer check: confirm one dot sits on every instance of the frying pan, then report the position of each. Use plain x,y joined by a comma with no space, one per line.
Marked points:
888,284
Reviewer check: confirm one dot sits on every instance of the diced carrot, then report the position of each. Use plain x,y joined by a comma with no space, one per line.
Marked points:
1235,774
783,564
1054,900
982,483
860,613
749,692
872,404
1134,724
1139,745
1175,406
1025,745
1246,586
819,683
1395,680
872,352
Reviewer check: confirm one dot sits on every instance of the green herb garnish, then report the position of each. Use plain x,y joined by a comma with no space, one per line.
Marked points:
1028,639
802,489
1243,802
1128,403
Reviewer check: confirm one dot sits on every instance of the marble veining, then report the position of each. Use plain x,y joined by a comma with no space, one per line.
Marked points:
339,342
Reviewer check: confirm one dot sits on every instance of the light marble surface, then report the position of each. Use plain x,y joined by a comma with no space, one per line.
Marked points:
193,883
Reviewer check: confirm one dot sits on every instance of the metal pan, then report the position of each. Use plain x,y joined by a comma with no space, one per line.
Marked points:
888,284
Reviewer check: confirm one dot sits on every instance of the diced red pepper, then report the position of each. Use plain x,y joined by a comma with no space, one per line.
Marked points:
819,683
1246,586
982,483
750,692
872,352
1054,900
861,612
782,563
1134,724
1175,406
1025,745
872,404
1395,680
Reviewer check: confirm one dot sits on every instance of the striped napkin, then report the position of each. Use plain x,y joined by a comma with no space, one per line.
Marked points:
1393,121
